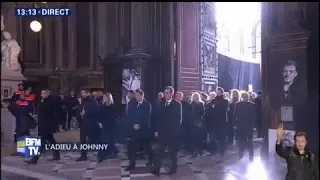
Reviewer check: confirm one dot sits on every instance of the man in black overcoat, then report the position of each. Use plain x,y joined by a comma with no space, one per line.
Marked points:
89,128
168,131
245,115
71,102
217,117
140,130
47,124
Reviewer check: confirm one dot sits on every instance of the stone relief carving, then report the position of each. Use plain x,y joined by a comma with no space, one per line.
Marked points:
10,50
208,41
208,57
209,79
208,16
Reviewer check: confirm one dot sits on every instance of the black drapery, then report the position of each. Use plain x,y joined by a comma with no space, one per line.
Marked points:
237,74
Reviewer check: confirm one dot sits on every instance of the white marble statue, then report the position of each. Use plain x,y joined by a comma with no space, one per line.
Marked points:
2,23
10,51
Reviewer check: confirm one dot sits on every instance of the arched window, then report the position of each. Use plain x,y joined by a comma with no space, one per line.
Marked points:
258,42
239,29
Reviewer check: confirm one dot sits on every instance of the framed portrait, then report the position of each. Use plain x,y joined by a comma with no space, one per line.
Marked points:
6,92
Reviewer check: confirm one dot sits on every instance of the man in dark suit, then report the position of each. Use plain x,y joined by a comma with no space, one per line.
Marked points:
71,102
140,130
217,117
185,131
130,107
168,131
245,115
47,124
89,128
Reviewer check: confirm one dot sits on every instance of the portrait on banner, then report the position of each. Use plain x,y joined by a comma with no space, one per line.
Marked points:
131,80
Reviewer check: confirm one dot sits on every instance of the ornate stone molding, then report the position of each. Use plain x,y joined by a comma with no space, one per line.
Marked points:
209,62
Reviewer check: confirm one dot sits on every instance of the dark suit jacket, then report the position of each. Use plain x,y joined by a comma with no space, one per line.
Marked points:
47,120
107,117
71,103
169,121
131,106
155,112
257,103
197,112
91,108
217,113
244,114
230,113
89,122
141,116
186,112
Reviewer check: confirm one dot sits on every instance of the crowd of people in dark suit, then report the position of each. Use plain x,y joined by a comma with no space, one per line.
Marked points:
198,123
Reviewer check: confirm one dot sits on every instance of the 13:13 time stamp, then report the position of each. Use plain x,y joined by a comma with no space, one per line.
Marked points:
26,12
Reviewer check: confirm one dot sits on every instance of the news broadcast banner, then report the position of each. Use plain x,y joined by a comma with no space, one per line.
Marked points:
30,146
43,12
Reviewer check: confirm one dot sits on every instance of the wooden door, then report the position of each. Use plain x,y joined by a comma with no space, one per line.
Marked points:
188,60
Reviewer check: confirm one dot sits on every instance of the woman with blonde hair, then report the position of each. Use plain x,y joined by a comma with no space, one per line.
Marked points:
108,126
235,97
197,113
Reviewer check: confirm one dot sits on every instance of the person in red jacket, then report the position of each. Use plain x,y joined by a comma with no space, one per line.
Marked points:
29,96
16,93
31,91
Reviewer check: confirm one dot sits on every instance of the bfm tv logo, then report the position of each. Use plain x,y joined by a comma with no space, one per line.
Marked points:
28,146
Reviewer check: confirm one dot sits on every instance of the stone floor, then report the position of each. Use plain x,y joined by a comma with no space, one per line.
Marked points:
200,168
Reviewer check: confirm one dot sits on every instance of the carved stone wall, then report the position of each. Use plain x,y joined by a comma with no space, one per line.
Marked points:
208,56
188,63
